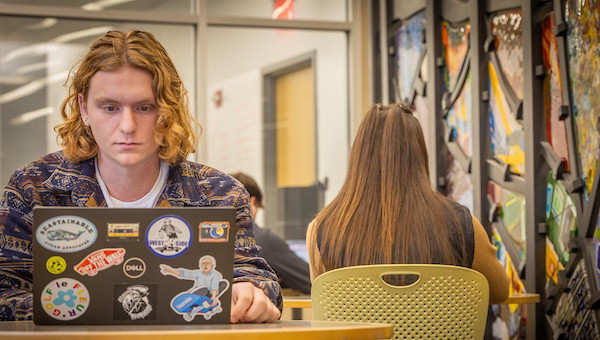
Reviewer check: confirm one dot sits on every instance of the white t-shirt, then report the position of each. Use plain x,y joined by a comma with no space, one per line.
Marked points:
148,201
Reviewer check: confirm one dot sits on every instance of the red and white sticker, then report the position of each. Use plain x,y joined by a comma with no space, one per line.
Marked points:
99,260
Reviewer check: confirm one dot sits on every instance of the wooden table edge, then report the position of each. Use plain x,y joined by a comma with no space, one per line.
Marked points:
370,330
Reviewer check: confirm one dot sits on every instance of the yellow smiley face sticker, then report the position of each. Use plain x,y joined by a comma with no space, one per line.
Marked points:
56,265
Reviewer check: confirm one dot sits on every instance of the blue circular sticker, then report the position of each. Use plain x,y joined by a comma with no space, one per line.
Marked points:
169,236
66,234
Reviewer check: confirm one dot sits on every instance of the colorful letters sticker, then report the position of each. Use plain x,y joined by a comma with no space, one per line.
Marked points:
134,267
99,260
65,299
214,231
134,302
66,234
56,265
168,236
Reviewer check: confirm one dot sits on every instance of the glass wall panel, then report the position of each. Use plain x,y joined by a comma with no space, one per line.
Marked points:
455,38
242,132
410,44
331,10
507,319
555,128
411,69
511,224
34,64
573,315
506,28
561,218
170,7
583,41
511,213
506,133
459,186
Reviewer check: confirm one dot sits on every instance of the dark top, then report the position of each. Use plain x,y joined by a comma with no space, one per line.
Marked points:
292,271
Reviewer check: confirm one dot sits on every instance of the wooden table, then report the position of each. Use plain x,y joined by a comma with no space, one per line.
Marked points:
305,302
280,330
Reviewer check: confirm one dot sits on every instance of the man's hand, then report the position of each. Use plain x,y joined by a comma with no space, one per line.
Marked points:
250,304
168,270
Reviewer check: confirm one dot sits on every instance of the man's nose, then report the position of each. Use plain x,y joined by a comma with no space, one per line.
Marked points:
127,124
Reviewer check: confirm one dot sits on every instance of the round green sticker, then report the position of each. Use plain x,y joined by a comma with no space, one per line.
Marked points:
56,265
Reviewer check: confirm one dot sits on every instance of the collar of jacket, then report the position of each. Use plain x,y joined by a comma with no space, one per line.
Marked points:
182,189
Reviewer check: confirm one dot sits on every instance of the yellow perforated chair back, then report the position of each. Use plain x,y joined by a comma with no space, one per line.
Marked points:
445,302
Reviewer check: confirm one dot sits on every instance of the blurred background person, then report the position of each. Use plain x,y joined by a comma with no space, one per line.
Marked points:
293,271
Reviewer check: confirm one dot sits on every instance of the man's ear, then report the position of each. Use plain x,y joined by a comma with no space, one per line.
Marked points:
252,201
83,109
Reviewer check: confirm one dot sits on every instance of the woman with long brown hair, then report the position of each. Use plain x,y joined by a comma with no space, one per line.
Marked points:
387,211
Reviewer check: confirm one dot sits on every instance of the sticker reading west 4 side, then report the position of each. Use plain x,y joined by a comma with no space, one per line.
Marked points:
169,236
99,260
134,302
65,299
213,231
203,297
66,234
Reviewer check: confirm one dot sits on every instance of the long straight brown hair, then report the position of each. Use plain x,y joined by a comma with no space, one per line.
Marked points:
387,211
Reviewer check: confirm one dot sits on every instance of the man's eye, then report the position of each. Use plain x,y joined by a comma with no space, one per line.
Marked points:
110,108
145,108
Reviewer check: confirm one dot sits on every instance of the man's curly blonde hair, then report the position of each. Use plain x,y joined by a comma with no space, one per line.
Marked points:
174,130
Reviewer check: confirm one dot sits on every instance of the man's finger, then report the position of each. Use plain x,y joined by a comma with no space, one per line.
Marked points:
241,299
259,310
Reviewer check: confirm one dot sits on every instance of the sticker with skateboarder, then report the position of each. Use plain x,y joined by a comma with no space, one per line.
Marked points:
203,297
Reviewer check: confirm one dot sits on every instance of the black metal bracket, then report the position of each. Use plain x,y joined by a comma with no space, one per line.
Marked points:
564,112
572,264
542,228
561,29
540,70
488,45
556,164
485,96
493,212
440,62
576,185
594,302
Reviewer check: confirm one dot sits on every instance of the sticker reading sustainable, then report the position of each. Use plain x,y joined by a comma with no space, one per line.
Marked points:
66,234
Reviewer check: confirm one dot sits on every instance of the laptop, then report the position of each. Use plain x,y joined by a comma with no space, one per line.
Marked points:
113,266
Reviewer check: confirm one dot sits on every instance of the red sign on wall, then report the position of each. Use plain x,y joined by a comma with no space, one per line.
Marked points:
283,10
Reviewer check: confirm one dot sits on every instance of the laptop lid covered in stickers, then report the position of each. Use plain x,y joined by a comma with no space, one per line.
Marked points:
111,266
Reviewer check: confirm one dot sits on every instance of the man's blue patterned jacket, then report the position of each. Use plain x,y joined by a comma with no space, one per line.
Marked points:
54,181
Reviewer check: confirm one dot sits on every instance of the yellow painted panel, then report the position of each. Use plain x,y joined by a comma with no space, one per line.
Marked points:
295,123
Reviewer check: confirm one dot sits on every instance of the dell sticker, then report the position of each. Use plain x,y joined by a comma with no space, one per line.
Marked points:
99,260
168,236
66,234
65,299
134,267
